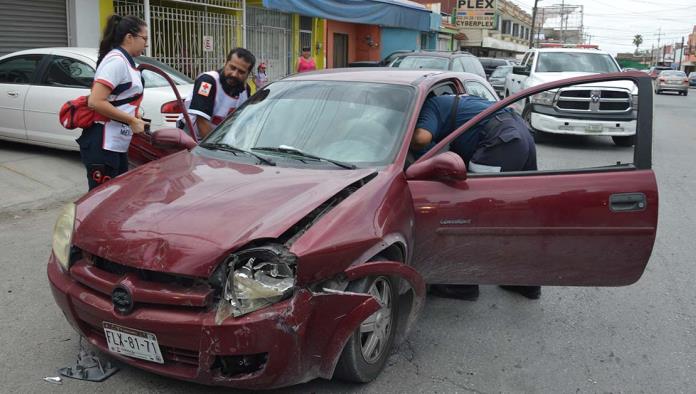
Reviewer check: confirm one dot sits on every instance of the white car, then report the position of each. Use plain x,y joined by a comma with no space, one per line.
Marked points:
600,109
35,83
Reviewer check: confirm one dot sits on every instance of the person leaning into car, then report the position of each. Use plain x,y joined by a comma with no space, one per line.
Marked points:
104,145
217,94
499,144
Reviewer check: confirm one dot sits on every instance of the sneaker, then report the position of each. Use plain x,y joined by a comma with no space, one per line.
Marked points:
461,292
531,292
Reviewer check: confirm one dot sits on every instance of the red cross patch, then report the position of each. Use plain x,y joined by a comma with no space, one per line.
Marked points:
204,90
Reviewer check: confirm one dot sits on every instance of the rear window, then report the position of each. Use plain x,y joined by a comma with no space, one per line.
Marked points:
501,71
672,73
416,62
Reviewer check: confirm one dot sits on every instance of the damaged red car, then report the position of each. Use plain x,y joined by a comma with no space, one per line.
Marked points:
296,241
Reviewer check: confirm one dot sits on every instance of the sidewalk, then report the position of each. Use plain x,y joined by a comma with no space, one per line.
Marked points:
33,176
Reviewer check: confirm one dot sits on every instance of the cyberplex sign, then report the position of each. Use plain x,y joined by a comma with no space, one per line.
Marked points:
476,13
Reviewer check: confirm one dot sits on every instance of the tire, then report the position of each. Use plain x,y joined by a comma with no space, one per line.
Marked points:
538,135
686,92
367,350
624,141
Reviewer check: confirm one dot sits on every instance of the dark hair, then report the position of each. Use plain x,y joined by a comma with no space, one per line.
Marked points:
305,49
115,32
243,54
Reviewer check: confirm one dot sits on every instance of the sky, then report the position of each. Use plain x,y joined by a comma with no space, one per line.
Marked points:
613,23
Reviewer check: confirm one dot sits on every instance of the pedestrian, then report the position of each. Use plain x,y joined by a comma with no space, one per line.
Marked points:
216,94
306,61
115,97
261,79
501,143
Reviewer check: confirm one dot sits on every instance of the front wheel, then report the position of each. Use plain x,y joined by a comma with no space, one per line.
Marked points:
624,141
368,348
527,116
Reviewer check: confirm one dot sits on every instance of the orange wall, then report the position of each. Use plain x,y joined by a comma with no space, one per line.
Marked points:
358,49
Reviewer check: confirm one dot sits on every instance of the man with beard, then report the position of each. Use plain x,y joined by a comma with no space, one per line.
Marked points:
217,94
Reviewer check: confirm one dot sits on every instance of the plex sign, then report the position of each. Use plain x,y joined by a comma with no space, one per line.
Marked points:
477,14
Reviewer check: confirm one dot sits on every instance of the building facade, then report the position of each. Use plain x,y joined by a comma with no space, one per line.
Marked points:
496,29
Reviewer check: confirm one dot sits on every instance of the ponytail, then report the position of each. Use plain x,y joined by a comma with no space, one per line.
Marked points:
115,32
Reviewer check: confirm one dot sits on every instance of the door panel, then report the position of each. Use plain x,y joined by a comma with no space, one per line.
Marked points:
41,115
551,229
65,78
141,151
12,97
16,75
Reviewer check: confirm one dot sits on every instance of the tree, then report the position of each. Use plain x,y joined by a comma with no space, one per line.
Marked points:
637,40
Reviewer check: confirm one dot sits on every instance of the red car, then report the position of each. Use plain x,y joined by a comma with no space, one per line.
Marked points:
296,241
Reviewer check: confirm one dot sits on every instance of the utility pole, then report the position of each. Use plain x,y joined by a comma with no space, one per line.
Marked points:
562,12
681,54
659,34
534,12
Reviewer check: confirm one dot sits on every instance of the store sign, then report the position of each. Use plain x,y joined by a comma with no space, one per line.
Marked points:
207,43
477,14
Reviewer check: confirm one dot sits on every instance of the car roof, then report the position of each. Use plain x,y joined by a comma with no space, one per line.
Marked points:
393,76
574,50
446,54
83,51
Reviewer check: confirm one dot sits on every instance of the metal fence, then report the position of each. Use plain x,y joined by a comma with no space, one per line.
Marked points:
191,40
269,38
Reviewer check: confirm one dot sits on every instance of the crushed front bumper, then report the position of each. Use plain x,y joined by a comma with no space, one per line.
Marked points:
301,338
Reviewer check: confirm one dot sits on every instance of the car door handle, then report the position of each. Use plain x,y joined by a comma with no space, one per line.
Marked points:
13,94
626,202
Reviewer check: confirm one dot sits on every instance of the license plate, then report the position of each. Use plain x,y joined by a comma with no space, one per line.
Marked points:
594,128
133,343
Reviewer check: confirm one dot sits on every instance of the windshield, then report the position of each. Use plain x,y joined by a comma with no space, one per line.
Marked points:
501,71
555,62
415,62
153,80
352,122
673,73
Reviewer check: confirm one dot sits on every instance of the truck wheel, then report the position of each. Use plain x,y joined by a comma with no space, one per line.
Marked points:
624,141
538,135
368,348
686,92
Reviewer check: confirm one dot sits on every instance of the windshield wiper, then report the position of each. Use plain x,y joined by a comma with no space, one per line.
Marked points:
233,149
298,152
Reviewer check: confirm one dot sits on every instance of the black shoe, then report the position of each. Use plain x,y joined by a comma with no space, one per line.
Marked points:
531,292
461,292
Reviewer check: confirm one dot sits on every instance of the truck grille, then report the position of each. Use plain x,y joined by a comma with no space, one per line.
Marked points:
593,100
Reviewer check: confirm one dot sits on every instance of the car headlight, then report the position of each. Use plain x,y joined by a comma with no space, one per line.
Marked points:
62,235
634,101
544,98
257,277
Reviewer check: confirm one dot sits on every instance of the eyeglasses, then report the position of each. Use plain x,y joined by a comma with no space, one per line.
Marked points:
143,37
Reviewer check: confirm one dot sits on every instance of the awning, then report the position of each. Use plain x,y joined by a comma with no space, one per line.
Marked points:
392,13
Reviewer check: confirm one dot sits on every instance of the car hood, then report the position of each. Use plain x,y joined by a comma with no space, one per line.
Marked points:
540,78
183,214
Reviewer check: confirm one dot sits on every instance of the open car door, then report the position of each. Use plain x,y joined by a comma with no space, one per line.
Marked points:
569,223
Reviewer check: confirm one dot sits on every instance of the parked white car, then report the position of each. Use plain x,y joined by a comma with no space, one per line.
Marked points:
35,83
602,109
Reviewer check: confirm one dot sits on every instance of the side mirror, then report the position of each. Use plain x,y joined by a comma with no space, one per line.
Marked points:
520,70
172,138
447,165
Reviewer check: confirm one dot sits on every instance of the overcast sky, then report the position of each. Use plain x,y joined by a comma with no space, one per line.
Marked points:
613,24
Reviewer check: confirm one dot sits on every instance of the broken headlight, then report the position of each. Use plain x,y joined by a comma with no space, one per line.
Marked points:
62,235
257,277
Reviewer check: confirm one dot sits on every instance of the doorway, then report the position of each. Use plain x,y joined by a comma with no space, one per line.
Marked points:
340,52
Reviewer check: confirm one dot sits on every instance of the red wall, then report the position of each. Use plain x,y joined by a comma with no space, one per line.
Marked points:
358,48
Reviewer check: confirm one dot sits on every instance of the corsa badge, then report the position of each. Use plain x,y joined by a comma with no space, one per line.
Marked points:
204,90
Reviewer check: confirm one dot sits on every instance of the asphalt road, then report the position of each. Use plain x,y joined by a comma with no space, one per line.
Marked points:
634,339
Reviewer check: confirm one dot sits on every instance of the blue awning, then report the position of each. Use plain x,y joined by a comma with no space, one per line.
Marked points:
393,13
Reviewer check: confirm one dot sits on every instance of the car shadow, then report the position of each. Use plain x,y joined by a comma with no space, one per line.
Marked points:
11,150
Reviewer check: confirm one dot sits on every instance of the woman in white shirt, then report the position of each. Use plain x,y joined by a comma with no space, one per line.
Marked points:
116,95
